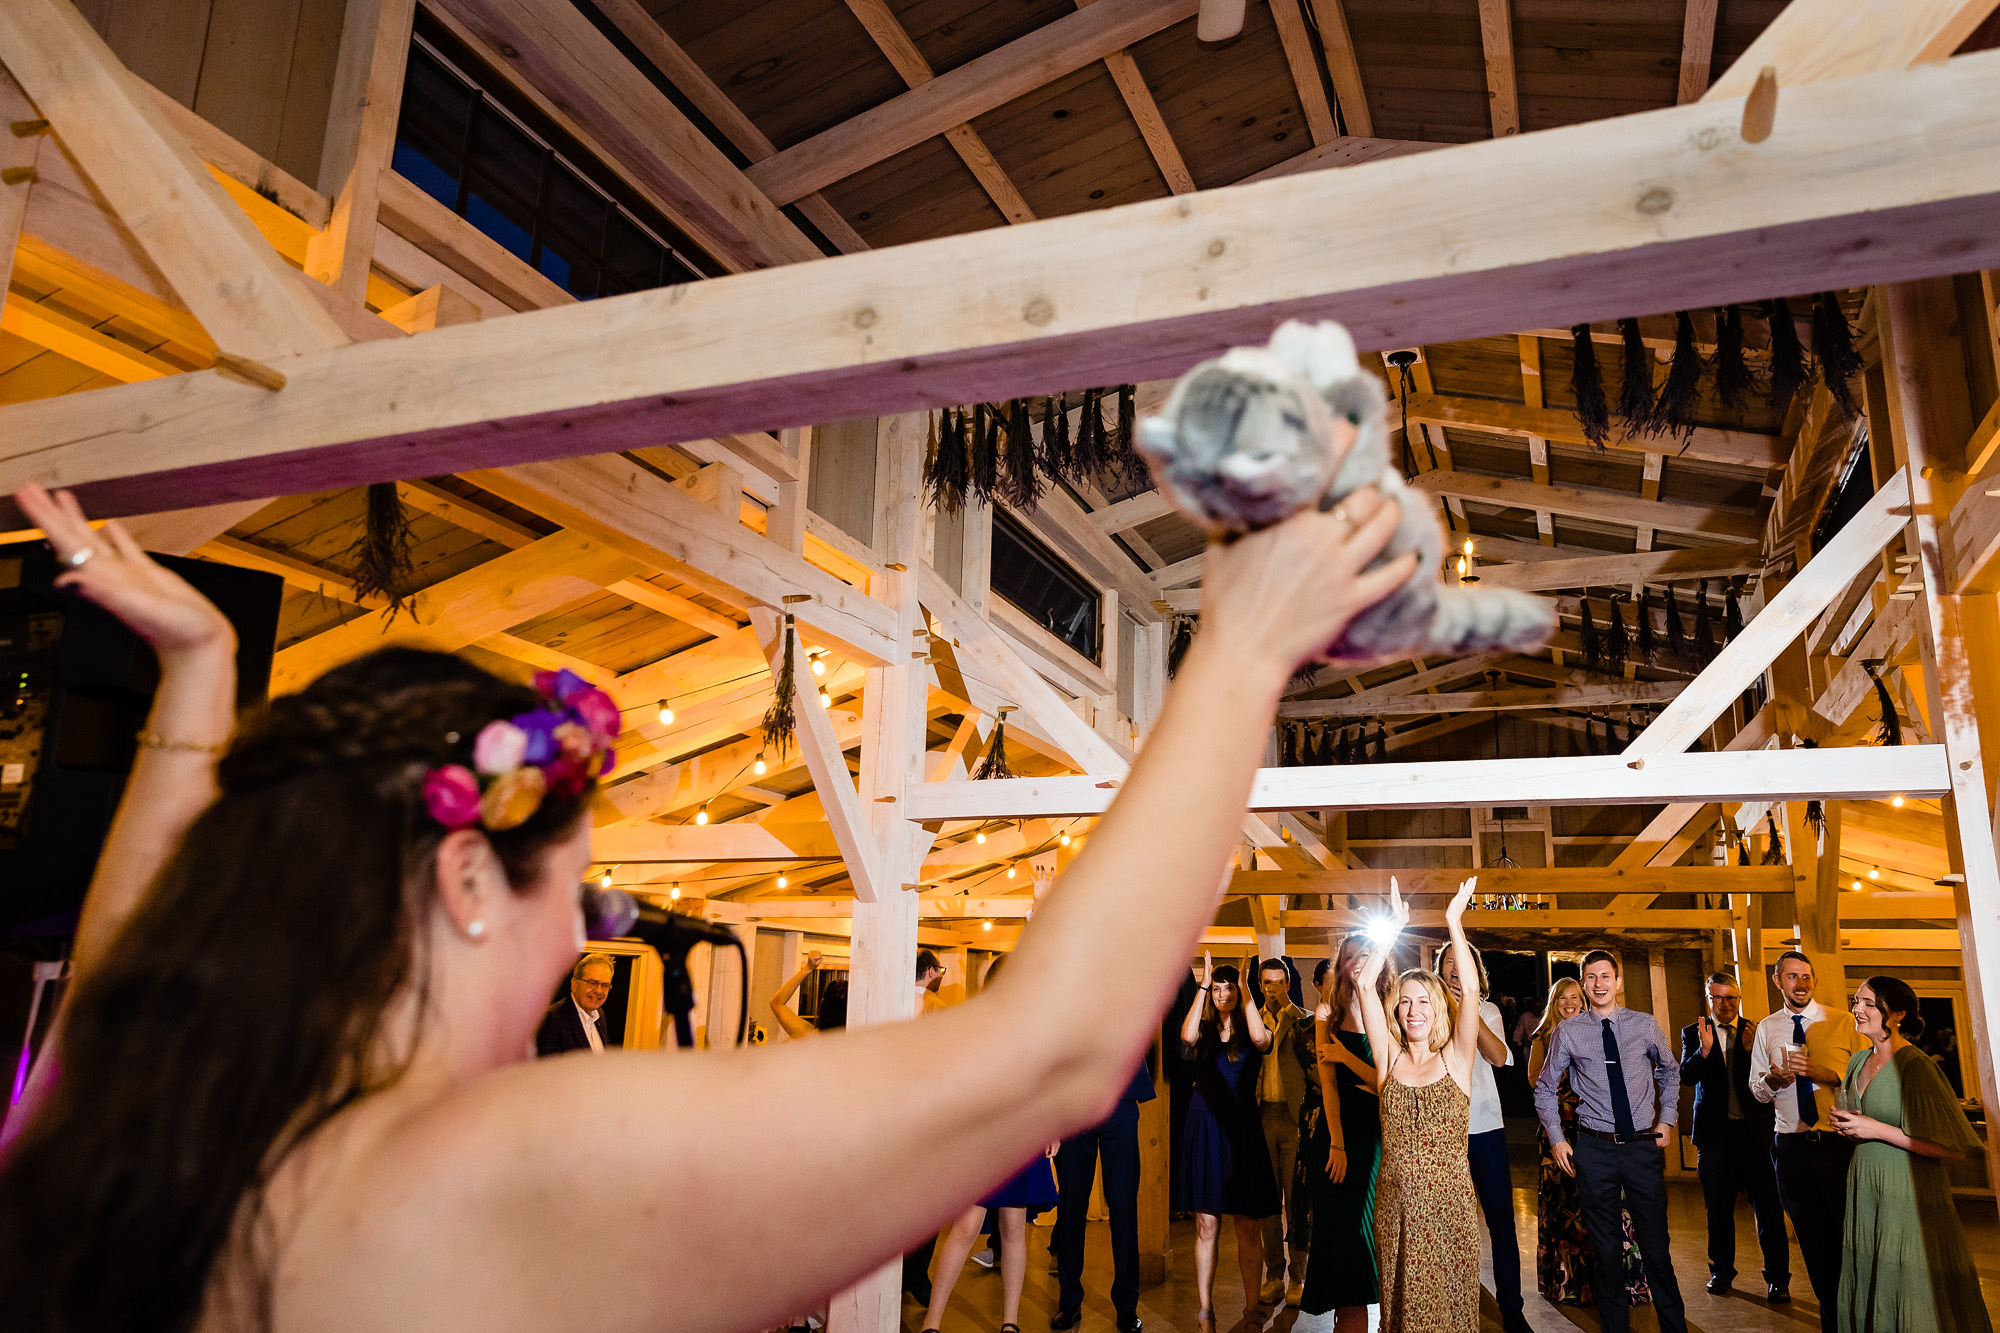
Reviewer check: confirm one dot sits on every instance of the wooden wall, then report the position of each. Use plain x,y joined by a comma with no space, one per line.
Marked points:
259,70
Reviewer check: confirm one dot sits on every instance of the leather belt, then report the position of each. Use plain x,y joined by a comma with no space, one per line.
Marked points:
1609,1137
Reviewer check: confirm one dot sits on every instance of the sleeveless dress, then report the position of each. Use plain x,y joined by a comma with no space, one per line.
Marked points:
1905,1266
1340,1268
1033,1186
1225,1167
1426,1218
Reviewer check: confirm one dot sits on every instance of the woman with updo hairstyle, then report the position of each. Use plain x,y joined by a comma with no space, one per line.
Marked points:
1904,1261
1343,1145
289,1088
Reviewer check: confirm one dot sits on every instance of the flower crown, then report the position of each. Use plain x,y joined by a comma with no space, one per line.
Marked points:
517,761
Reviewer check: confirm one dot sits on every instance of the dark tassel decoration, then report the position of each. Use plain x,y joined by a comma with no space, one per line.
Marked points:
1680,394
985,452
781,718
1890,730
1742,850
1833,349
949,469
1732,609
1381,750
1617,646
1704,627
1593,651
1128,424
1021,480
1054,452
1643,642
994,765
1788,357
1733,379
380,556
1774,854
1586,385
1816,821
1179,643
1635,397
1288,746
1677,640
1089,451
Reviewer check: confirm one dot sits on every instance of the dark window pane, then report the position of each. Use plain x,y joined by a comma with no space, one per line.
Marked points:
506,162
575,212
440,182
631,257
1027,574
500,218
437,104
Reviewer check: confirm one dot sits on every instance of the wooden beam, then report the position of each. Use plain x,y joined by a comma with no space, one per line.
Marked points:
1297,44
360,140
1739,447
1349,150
604,99
1594,920
1124,71
1863,773
1487,701
963,93
1697,49
1602,506
1783,619
18,156
1132,512
1813,40
1496,35
757,351
1533,881
67,336
1343,66
1607,571
244,295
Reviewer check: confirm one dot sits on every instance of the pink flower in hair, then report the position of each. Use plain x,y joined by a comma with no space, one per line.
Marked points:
499,748
451,794
597,712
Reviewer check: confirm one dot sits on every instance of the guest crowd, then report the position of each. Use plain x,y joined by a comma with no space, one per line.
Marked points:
1357,1149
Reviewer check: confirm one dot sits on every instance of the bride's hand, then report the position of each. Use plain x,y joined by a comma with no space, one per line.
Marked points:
107,566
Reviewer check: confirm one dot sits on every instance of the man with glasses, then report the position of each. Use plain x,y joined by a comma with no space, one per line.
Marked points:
572,1024
1732,1139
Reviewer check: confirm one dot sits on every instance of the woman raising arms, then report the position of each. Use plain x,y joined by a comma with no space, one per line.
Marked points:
291,1091
1341,1270
1426,1221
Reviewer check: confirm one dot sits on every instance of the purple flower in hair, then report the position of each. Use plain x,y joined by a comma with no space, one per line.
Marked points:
562,686
540,728
594,708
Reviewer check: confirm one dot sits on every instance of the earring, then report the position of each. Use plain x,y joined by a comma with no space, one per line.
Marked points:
475,929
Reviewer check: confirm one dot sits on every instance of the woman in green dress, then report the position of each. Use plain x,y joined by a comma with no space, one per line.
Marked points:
1905,1267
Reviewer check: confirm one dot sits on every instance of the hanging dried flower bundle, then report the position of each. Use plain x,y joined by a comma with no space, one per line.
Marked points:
1733,377
1586,385
1635,397
1593,650
1381,751
1774,854
985,452
1889,730
1704,628
1732,609
781,718
1833,349
1021,480
1788,357
1179,642
1680,394
995,765
380,557
1644,641
1617,646
1323,744
1677,640
947,470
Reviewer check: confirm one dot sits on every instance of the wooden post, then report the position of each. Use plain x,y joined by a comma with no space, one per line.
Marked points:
360,139
1156,1246
881,981
786,522
1931,417
18,154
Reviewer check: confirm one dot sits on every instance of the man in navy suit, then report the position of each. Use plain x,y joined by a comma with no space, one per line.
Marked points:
1116,1142
571,1023
1732,1139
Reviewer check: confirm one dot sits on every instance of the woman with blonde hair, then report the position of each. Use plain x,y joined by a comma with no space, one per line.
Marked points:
1565,1260
1426,1218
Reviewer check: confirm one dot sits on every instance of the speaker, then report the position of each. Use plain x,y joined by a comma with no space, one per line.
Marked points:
75,687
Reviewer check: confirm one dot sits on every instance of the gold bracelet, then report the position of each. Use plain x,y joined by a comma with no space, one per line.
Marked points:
152,740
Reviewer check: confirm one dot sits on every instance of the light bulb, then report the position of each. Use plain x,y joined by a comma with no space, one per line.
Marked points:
604,880
1010,872
701,815
666,714
1461,566
986,925
819,666
1467,548
760,768
980,837
1065,839
1856,886
784,883
1875,874
825,699
1896,801
674,893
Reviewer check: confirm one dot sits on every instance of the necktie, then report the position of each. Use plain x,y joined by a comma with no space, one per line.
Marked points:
1614,1074
1808,1108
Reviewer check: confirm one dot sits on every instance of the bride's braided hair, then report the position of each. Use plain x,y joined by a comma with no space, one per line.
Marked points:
239,1008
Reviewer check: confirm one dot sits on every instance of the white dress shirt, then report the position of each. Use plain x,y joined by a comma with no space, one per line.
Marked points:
590,1032
1485,1090
1767,1052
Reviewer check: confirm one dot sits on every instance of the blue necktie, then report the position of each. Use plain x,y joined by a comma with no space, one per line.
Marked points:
1808,1108
1614,1071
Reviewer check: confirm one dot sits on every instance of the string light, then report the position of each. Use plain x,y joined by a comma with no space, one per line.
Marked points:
818,665
1461,566
784,883
1896,801
980,837
1010,872
1467,548
701,815
1856,886
666,712
1064,839
986,925
825,699
674,893
604,880
760,768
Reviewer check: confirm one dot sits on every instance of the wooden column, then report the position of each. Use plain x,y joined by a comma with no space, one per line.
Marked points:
360,139
1156,1246
1931,417
18,154
881,982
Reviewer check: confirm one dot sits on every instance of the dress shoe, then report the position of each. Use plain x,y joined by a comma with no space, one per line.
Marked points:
1516,1323
1778,1295
1272,1293
1062,1319
1719,1284
1129,1323
1294,1294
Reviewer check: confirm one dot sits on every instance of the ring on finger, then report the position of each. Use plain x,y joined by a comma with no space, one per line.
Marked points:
1340,512
80,557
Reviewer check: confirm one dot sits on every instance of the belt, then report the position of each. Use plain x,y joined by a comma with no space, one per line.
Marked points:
1811,1135
1609,1137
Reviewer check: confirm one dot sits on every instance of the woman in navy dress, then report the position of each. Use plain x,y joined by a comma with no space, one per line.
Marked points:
1033,1186
1225,1167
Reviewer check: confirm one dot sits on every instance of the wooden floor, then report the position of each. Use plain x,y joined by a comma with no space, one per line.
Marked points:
1170,1307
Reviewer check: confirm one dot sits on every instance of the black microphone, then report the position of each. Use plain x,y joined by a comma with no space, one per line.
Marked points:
611,914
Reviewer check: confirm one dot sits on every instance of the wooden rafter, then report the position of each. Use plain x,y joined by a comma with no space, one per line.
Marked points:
1601,506
1297,43
1496,35
1342,63
1697,49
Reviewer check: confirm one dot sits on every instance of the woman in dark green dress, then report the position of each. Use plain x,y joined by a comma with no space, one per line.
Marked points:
1905,1266
1346,1145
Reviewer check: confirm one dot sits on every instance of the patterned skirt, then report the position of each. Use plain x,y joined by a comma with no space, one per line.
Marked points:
1565,1260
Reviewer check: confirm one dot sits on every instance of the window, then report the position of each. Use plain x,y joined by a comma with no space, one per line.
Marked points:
500,168
1030,576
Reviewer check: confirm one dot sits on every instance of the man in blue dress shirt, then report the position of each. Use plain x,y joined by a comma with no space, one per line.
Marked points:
1628,1086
